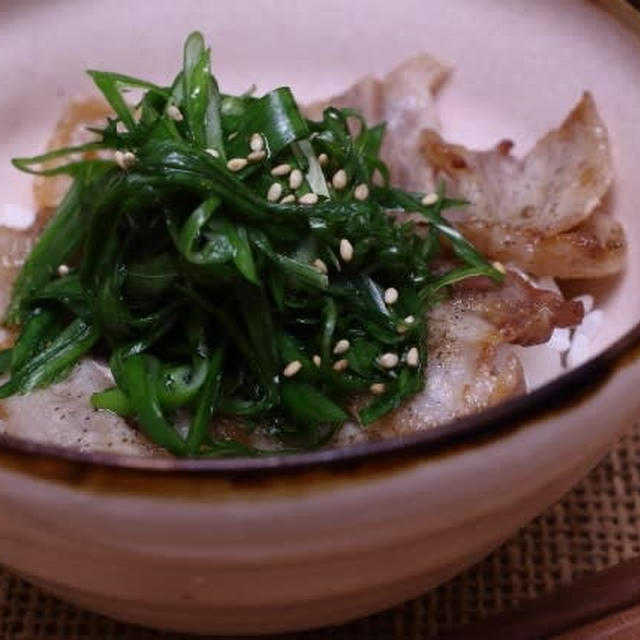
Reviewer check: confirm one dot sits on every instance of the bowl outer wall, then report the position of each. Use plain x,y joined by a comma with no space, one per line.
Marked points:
251,556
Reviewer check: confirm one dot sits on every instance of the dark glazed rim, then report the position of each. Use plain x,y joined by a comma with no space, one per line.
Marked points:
554,398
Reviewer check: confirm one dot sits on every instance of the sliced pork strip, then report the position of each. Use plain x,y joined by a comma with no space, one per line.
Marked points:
404,99
543,212
471,363
596,247
62,415
557,185
15,245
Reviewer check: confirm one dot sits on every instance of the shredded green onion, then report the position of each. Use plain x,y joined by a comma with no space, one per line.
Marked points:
211,299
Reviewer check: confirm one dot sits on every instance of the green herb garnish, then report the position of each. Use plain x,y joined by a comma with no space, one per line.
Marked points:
233,259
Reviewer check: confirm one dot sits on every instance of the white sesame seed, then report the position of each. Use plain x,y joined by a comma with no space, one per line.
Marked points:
391,295
498,266
231,136
339,180
256,143
63,270
237,164
281,170
317,360
342,346
256,156
405,324
323,159
388,360
377,388
361,192
295,179
174,113
121,127
275,192
292,368
308,198
288,199
429,199
213,152
320,265
413,358
340,365
125,159
346,250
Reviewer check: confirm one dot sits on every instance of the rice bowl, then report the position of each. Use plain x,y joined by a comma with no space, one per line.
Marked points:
275,544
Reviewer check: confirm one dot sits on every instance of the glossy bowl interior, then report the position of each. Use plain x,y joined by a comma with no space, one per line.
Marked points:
323,537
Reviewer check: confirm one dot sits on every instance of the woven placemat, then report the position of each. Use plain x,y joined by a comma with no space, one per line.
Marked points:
595,526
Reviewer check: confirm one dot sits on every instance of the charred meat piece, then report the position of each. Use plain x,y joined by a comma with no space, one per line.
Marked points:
544,212
471,364
404,99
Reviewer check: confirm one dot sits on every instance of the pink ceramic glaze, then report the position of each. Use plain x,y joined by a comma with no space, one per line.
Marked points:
273,545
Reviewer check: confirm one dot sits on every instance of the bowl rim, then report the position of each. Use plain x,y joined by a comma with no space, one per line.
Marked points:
557,396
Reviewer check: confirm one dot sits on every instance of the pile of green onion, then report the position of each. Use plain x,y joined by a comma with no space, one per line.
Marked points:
232,259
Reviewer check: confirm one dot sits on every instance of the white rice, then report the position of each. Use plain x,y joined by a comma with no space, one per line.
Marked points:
16,216
566,349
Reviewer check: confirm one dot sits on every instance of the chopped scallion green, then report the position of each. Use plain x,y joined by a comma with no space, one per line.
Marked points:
217,296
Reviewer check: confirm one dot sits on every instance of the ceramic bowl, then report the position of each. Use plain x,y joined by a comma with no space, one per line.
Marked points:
282,544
